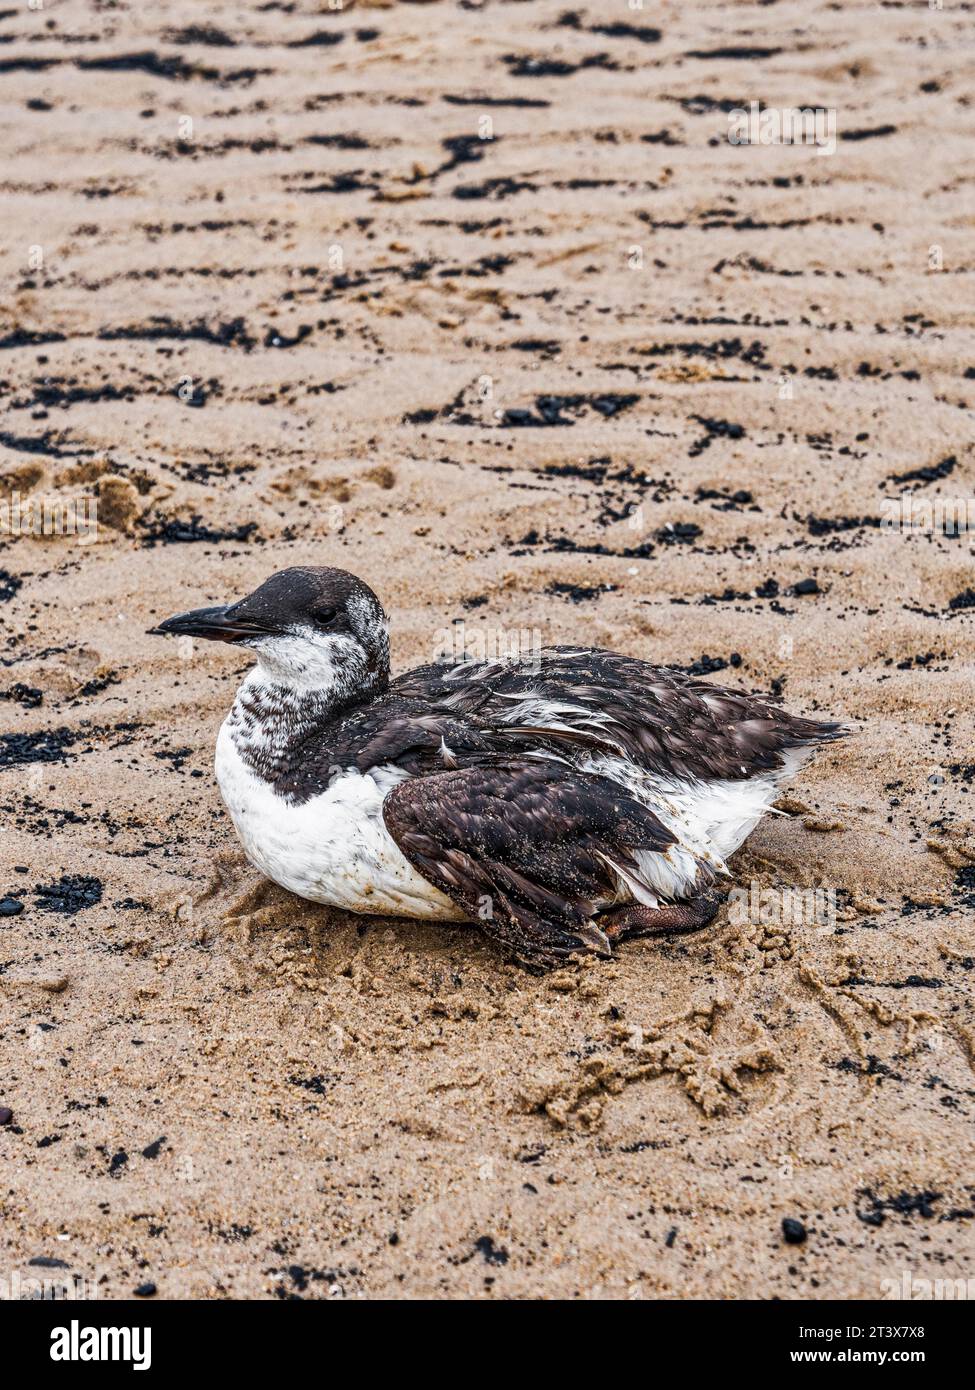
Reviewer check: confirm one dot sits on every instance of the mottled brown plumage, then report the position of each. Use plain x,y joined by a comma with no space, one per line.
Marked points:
665,722
526,849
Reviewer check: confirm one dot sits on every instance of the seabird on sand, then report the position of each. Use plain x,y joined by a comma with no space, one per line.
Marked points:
561,803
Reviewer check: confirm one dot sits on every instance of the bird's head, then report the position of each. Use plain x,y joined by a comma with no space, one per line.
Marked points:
311,629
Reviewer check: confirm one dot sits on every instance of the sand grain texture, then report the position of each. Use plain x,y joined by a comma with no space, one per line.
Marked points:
604,377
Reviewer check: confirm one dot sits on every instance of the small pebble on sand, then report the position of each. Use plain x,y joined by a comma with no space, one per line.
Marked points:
793,1231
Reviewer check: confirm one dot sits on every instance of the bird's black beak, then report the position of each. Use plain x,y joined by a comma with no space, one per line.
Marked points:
214,624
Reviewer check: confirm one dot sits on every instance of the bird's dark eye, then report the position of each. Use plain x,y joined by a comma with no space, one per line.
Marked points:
326,618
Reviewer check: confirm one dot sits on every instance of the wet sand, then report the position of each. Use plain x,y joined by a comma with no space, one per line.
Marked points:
606,378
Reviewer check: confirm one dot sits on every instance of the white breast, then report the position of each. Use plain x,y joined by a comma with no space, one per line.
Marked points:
710,819
334,848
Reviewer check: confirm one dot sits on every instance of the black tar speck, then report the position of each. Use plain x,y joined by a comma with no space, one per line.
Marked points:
72,893
793,1231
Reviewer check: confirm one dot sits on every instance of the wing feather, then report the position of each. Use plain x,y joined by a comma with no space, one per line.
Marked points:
530,850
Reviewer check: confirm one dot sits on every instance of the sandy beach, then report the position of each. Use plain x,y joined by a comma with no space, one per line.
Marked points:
480,302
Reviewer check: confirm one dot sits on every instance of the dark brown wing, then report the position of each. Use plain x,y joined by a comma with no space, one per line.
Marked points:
566,703
527,849
665,721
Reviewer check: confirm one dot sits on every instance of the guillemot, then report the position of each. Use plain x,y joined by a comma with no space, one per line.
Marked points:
561,804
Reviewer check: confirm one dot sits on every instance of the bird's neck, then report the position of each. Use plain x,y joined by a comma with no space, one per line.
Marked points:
270,721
